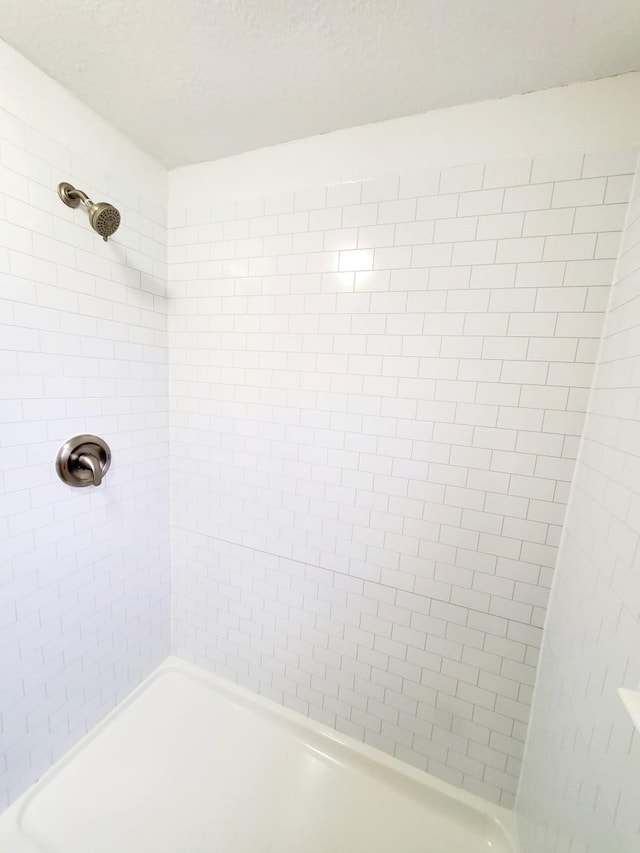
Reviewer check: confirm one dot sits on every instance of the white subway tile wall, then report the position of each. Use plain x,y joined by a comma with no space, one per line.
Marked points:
580,789
84,574
377,393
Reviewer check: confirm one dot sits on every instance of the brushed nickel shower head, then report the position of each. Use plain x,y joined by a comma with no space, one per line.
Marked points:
103,217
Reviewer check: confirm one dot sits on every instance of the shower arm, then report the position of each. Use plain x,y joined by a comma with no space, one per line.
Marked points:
72,197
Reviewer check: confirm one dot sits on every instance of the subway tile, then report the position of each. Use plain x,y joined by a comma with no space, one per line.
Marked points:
607,217
380,189
527,198
519,250
500,225
403,210
371,437
461,179
507,173
98,363
556,168
588,191
571,248
437,207
340,195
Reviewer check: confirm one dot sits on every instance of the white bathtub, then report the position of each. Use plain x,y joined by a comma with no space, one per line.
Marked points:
192,764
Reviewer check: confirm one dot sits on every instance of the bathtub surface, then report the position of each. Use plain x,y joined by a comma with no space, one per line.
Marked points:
192,764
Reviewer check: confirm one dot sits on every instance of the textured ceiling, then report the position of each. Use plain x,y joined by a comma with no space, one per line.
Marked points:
193,80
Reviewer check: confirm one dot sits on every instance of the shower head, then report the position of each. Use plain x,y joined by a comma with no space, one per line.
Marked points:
103,217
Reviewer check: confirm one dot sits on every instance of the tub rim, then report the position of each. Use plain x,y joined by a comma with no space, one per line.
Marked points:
498,820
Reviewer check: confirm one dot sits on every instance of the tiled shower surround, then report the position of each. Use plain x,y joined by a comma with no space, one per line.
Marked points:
581,782
377,393
84,573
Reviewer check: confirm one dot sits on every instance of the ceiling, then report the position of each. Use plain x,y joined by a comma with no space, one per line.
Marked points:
194,80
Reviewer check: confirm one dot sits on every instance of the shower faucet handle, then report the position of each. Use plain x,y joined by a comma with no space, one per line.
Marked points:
83,460
91,463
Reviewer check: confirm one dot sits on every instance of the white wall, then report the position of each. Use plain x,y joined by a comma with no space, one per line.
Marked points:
299,568
580,787
377,394
84,581
582,117
430,652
